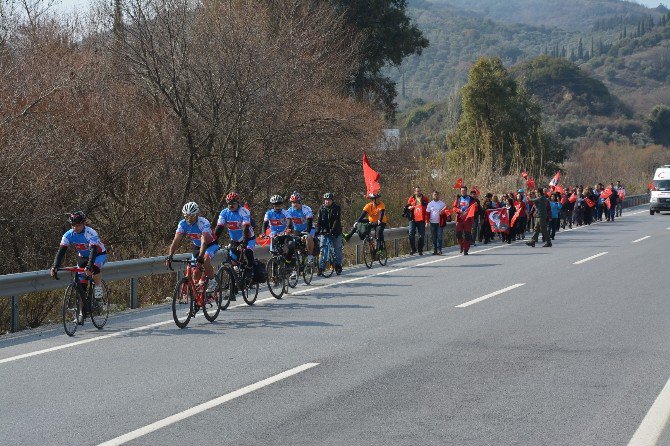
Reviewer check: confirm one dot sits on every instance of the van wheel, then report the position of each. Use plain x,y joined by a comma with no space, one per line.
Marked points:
651,212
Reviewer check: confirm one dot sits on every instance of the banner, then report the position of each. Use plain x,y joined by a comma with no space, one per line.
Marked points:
498,219
371,176
589,202
458,184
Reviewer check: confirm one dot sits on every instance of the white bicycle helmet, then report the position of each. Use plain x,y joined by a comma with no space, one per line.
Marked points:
276,199
191,208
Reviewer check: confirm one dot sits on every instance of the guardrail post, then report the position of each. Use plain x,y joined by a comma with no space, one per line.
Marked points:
358,254
133,293
395,247
15,315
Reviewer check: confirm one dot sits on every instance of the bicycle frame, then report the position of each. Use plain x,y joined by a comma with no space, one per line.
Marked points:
189,275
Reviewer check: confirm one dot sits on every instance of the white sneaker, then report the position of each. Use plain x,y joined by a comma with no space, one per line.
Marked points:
98,292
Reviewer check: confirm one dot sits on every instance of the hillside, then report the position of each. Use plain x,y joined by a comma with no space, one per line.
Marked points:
623,44
571,15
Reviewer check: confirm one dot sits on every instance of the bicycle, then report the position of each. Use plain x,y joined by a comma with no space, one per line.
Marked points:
190,296
280,257
77,298
300,265
328,252
235,275
371,252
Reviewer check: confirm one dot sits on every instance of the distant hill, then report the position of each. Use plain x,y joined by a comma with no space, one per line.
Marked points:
622,44
564,89
570,15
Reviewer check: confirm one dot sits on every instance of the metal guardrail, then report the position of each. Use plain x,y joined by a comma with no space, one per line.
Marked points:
15,285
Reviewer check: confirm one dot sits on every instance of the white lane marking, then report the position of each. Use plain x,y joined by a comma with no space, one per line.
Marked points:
640,239
590,258
137,433
654,422
107,336
389,271
495,293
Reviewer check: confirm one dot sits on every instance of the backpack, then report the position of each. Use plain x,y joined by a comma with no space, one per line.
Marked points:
363,229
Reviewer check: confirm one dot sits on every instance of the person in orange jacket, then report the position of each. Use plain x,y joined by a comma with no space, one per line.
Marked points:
418,217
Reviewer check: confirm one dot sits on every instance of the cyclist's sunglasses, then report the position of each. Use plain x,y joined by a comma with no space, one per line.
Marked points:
232,203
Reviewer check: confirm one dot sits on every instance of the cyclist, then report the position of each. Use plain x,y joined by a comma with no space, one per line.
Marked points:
277,219
237,219
90,249
303,220
199,230
329,224
374,213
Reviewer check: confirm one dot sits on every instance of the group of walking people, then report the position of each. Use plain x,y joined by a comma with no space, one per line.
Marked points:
541,211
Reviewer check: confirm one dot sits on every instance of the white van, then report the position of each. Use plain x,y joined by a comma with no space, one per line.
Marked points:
660,196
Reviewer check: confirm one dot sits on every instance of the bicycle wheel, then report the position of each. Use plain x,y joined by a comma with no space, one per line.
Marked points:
382,254
276,277
212,305
70,309
368,258
308,272
329,264
182,304
250,290
224,287
293,273
100,307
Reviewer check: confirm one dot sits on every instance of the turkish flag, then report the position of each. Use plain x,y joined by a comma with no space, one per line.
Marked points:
554,181
524,175
606,194
563,200
622,194
371,177
589,202
651,186
458,184
472,210
573,198
607,202
498,219
475,189
530,184
560,189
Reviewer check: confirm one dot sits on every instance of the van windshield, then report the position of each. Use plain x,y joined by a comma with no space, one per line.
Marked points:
662,184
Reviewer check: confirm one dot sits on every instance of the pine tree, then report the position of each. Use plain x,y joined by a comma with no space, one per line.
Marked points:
642,28
564,52
587,55
572,55
639,30
593,51
624,32
580,50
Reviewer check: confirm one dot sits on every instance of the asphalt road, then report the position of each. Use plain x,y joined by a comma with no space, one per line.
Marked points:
408,354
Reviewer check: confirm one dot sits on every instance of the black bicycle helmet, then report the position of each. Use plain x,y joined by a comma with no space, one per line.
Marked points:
328,196
77,217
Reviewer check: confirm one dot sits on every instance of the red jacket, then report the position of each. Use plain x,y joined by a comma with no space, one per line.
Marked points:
419,210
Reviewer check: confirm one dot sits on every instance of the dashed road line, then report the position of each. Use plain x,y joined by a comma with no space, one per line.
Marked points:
488,296
590,258
640,239
654,422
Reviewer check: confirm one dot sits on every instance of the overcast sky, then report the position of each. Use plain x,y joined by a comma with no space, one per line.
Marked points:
69,5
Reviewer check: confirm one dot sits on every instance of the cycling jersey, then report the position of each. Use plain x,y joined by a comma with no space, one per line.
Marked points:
278,220
299,217
83,241
235,221
374,211
463,203
195,231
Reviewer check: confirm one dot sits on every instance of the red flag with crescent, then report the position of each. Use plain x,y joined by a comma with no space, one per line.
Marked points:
371,176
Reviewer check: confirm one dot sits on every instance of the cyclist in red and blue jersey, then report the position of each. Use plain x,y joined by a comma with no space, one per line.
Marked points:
199,230
303,220
237,219
91,252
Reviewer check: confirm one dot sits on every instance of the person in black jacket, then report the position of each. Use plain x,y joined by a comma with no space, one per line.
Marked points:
329,224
